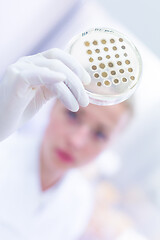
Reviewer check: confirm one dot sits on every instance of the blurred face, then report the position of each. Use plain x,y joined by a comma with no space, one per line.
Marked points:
74,139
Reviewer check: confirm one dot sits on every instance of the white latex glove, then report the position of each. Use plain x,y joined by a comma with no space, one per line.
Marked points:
33,80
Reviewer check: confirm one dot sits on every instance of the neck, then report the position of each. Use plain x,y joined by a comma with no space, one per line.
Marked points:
48,176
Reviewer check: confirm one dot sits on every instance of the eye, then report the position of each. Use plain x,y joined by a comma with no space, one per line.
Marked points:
72,115
100,135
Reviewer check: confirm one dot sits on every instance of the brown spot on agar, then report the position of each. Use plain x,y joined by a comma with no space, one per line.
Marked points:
102,65
119,63
91,59
86,43
96,75
107,83
89,51
104,74
113,72
112,40
94,67
124,79
97,50
121,71
114,48
132,78
127,62
110,64
103,41
116,81
99,84
99,58
95,42
106,49
121,39
130,70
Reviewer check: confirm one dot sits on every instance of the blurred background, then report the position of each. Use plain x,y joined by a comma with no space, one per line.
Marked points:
127,176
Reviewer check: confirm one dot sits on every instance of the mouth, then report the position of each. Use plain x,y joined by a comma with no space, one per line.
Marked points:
64,156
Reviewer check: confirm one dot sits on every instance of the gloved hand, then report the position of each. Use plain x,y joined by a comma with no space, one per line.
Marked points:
33,80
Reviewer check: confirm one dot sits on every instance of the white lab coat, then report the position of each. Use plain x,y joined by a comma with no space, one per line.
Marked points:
60,213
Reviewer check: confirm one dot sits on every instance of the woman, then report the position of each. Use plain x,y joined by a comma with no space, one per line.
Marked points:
43,196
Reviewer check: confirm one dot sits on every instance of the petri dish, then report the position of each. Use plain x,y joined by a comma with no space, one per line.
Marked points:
112,61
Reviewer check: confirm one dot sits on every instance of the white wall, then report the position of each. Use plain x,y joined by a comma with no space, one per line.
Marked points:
24,24
142,17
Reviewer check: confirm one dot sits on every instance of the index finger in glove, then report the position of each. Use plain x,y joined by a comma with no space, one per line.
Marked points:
70,62
42,76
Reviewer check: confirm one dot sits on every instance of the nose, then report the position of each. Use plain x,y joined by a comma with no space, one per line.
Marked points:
78,139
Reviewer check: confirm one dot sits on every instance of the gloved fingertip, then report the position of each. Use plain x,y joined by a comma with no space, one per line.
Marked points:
85,104
84,101
62,77
74,109
86,79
